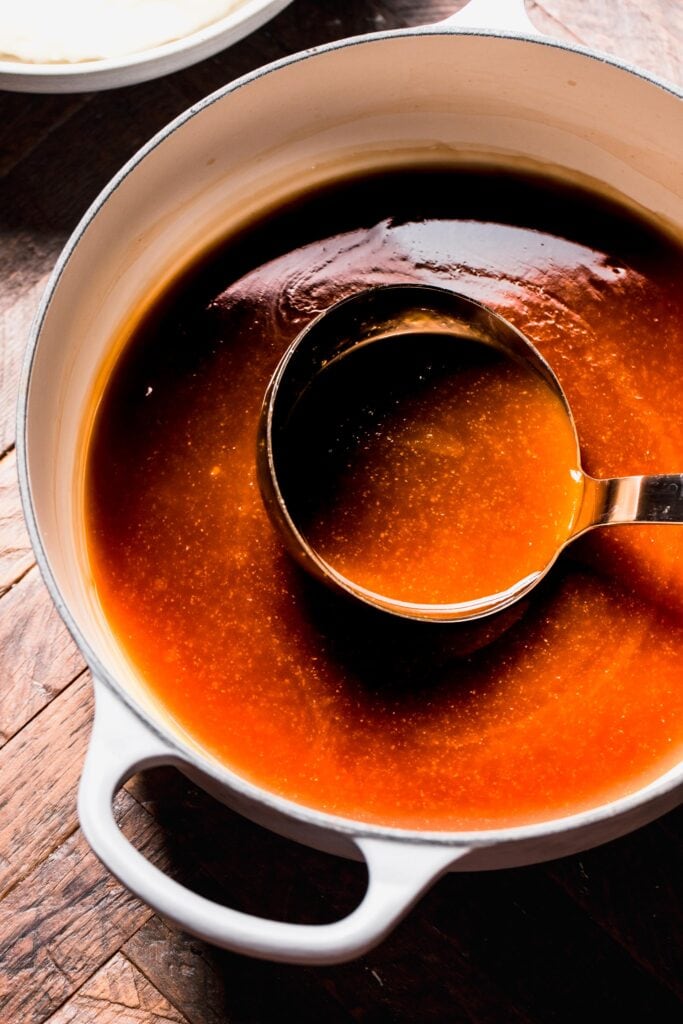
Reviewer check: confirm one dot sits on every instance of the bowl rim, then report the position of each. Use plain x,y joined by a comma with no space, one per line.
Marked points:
182,753
152,62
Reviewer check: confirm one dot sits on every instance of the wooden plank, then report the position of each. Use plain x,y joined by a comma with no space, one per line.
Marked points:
67,918
38,658
632,889
554,25
550,958
647,34
211,986
26,122
16,555
117,994
39,773
45,194
672,825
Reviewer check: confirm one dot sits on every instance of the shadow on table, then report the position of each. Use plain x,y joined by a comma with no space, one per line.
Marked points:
58,152
590,937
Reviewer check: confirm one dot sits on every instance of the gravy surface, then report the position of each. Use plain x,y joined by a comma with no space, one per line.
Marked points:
431,469
561,703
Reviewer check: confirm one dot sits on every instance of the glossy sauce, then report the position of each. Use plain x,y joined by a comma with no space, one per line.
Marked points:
431,469
564,702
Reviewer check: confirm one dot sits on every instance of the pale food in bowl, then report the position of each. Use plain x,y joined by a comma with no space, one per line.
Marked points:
69,31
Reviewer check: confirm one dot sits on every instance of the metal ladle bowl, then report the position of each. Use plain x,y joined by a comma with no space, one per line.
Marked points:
384,312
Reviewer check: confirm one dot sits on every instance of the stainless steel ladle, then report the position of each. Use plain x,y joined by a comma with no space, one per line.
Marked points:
389,311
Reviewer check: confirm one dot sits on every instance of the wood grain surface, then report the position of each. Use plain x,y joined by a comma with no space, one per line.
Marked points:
591,937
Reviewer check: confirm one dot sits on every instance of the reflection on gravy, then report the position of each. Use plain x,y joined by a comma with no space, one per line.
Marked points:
562,703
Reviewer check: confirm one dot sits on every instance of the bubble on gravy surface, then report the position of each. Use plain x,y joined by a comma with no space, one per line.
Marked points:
561,703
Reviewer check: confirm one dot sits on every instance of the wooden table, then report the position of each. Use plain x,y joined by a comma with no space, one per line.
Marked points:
596,936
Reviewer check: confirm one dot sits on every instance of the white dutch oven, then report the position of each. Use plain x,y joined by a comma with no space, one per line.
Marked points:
502,92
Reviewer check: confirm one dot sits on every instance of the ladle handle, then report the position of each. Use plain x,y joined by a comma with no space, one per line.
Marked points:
632,499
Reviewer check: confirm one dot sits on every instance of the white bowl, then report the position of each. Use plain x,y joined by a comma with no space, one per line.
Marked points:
87,76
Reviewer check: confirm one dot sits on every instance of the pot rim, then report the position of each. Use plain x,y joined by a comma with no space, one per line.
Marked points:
183,753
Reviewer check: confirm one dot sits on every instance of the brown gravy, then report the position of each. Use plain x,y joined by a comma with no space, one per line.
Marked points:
570,700
432,470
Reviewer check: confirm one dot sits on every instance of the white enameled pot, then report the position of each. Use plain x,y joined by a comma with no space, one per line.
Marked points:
497,93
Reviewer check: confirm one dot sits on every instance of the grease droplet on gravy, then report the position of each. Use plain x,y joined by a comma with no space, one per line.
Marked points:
573,698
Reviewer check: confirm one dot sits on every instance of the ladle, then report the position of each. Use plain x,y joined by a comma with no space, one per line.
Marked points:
384,312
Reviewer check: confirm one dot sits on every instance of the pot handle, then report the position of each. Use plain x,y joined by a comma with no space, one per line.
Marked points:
495,15
398,872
